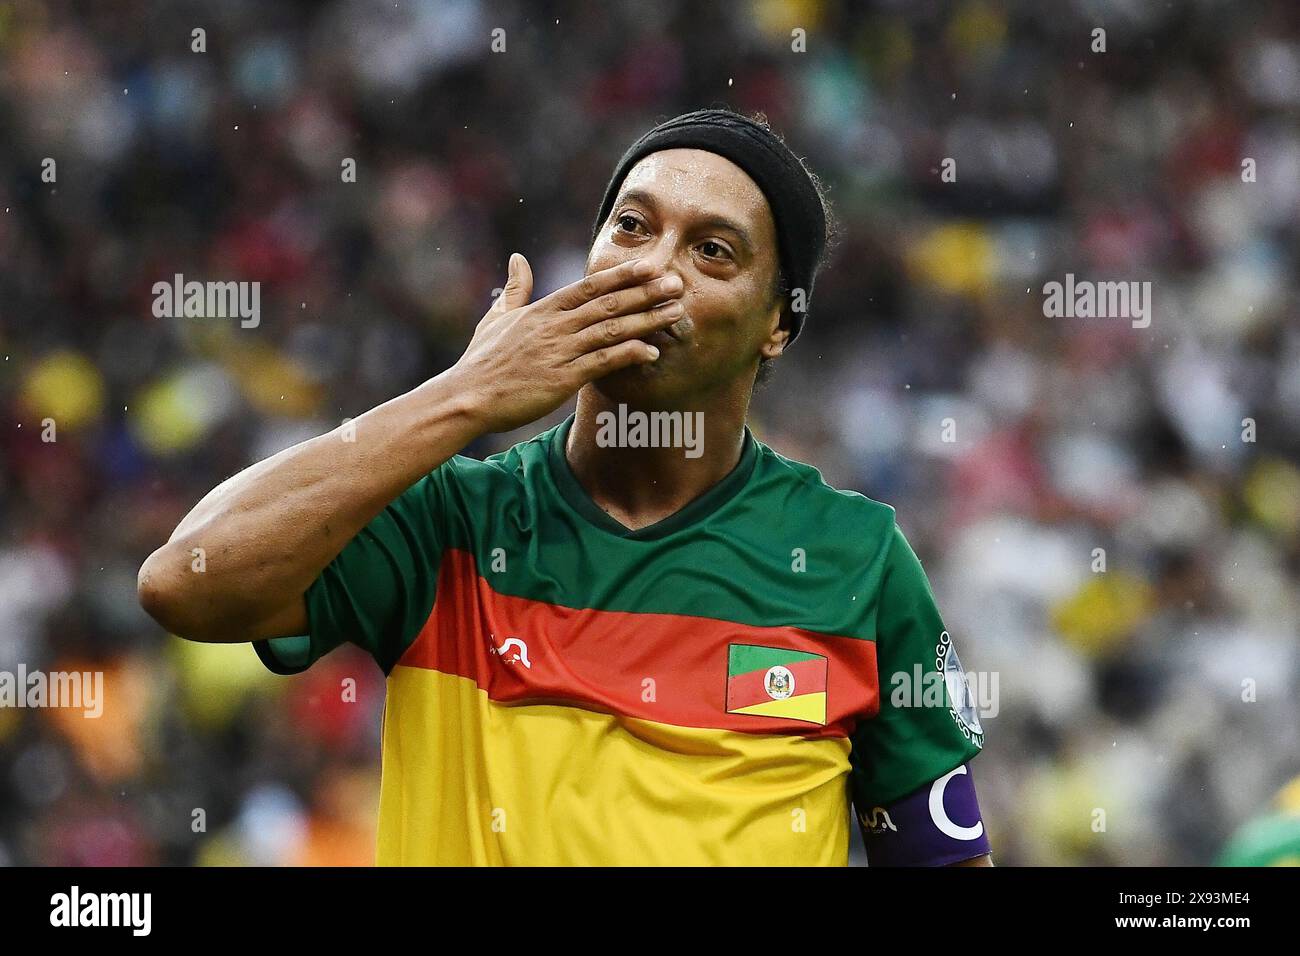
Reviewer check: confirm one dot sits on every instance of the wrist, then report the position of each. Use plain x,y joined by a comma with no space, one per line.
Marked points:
458,402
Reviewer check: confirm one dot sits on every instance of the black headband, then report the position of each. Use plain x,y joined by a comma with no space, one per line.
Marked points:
795,203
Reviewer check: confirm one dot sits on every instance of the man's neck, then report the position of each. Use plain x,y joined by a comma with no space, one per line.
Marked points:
639,486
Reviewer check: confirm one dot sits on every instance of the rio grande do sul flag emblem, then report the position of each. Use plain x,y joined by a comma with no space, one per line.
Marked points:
775,682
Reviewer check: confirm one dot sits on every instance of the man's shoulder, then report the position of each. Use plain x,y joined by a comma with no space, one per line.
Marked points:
494,475
803,487
512,460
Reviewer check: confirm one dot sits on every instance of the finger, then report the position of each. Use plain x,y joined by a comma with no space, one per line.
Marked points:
612,331
577,294
602,362
519,285
625,302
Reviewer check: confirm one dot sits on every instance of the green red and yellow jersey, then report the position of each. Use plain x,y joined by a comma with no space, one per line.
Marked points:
706,690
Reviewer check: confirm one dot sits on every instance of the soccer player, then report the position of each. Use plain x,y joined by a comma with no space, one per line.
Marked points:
641,637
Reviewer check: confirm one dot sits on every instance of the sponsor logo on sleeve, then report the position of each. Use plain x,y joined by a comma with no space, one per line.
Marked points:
962,701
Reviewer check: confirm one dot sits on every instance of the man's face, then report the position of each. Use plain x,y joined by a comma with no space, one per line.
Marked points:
699,216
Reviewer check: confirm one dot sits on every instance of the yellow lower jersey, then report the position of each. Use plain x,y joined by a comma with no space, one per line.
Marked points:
468,781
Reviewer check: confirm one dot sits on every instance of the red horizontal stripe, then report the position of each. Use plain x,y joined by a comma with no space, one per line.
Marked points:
614,660
746,689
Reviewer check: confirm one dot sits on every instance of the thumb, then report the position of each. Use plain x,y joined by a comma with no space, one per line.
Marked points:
519,285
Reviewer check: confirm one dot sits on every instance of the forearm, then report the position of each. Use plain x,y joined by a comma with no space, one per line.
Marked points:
267,532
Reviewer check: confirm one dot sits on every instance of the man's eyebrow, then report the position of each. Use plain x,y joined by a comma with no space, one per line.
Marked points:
712,222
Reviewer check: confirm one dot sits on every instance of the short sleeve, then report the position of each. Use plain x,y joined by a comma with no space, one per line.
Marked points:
927,724
379,591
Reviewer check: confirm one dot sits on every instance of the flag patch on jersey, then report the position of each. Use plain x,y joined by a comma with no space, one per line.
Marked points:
776,682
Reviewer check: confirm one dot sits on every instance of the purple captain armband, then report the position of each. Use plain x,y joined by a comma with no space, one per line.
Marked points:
935,826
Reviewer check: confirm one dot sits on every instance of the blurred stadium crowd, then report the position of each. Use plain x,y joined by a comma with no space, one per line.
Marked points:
1160,692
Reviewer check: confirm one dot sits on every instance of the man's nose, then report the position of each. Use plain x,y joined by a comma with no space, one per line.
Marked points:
663,254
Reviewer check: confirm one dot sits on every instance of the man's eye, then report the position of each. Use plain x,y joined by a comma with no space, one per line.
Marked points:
628,219
714,250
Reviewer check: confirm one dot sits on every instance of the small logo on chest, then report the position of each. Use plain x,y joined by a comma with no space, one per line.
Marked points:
778,682
513,651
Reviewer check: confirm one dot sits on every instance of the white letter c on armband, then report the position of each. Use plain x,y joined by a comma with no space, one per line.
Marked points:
940,818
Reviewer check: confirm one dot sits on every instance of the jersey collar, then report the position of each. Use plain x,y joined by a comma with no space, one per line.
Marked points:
577,498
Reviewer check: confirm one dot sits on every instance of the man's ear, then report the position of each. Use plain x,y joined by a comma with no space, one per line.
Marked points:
779,327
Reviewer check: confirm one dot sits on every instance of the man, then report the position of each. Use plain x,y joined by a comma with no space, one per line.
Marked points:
607,646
